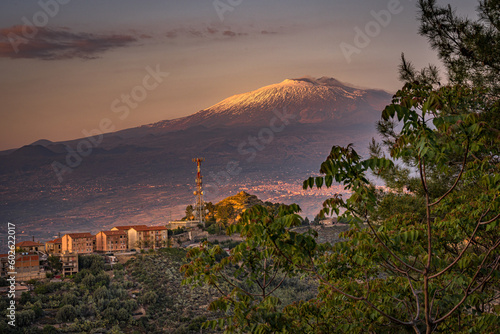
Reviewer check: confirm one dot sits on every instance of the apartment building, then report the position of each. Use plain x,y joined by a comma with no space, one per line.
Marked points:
69,262
148,237
131,237
111,241
81,243
54,247
27,266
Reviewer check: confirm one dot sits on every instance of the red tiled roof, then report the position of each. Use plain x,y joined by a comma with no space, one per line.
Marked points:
114,232
55,241
150,228
128,227
28,243
80,235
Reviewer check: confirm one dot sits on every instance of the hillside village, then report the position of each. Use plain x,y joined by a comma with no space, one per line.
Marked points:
31,256
124,277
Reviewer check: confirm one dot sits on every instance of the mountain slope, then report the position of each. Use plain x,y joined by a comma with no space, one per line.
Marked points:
308,100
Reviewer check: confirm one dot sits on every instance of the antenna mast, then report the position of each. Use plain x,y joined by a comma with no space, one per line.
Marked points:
199,207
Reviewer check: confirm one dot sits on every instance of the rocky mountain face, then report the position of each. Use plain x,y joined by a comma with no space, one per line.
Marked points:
264,142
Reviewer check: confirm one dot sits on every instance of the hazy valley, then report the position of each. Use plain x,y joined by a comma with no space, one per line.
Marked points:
265,142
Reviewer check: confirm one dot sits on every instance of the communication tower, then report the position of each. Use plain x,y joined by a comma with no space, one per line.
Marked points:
199,208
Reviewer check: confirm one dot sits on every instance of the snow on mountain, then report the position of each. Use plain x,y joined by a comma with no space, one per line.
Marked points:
309,100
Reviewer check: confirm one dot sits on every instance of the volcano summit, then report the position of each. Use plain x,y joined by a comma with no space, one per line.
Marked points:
310,100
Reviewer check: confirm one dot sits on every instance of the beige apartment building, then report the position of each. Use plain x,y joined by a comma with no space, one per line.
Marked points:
148,237
111,241
81,243
131,237
143,236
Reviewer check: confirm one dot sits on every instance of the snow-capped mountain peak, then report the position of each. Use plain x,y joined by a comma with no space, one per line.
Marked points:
310,100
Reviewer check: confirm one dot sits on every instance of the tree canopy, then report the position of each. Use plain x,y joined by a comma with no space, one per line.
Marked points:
422,254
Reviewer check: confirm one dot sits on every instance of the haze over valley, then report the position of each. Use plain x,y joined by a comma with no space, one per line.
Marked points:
265,142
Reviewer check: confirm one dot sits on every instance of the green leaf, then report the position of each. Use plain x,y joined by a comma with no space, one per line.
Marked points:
311,182
319,182
328,180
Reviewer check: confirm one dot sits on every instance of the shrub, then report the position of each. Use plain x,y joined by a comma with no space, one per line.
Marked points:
93,262
101,293
148,298
102,279
66,313
89,281
81,275
38,309
110,314
25,298
118,267
69,298
123,314
25,318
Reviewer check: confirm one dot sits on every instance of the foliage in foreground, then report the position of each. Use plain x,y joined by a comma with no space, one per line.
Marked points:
254,282
422,255
142,296
428,258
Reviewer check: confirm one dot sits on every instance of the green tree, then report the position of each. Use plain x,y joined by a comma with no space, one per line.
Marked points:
93,262
55,263
470,49
189,213
123,314
89,281
422,254
25,318
101,293
248,278
110,314
66,313
210,210
148,298
25,297
225,214
38,309
69,298
102,279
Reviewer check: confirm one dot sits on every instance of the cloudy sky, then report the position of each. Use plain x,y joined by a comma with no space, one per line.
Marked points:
68,64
